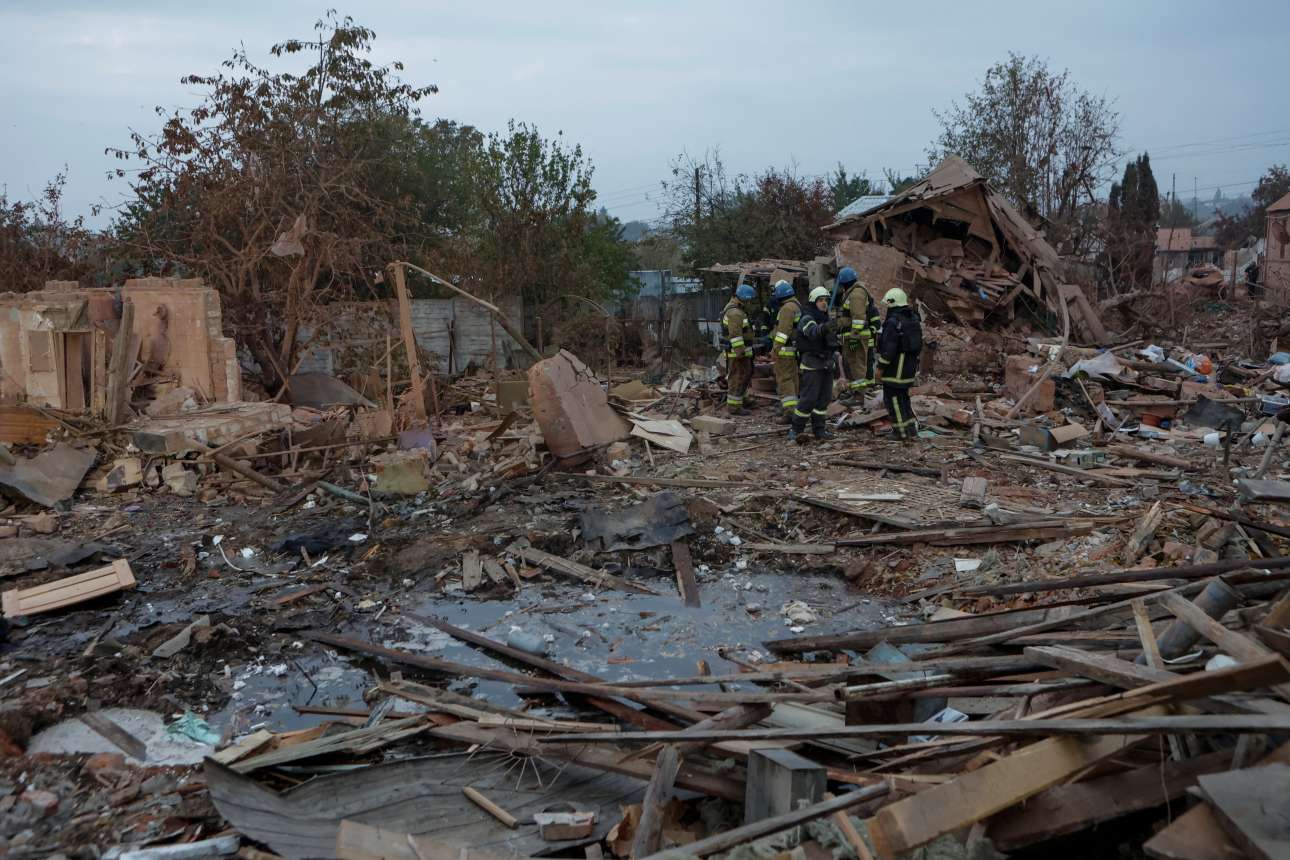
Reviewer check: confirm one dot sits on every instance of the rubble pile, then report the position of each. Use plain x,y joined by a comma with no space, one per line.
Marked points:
573,613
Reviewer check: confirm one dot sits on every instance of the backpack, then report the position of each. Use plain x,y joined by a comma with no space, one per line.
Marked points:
909,329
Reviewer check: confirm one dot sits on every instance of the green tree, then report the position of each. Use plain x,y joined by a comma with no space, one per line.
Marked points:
844,188
281,188
38,242
1272,186
719,218
1129,231
539,233
1175,214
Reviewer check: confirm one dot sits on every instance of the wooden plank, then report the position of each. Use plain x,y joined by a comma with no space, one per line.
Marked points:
685,581
118,380
250,744
69,590
471,571
410,343
976,795
843,822
1105,668
691,777
23,425
1206,724
1133,453
125,741
355,741
1070,808
1147,636
792,548
697,483
1252,808
494,570
965,535
1143,534
1278,616
1236,645
1197,833
99,373
1082,474
728,839
972,494
572,568
477,797
649,830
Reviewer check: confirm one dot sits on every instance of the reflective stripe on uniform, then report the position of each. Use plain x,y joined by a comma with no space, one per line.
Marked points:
781,338
818,412
788,352
800,414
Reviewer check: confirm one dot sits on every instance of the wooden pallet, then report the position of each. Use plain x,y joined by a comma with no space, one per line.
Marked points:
69,590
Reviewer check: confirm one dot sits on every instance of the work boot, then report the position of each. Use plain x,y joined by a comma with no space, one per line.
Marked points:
823,433
792,434
798,436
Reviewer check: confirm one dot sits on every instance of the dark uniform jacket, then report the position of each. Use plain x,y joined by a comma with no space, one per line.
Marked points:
899,344
816,340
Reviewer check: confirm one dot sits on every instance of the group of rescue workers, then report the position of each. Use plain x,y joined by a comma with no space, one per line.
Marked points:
806,343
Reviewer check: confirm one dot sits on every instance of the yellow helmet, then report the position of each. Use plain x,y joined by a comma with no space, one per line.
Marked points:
819,293
896,298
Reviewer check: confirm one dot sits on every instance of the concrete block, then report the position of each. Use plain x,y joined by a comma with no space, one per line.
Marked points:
571,406
777,780
180,480
125,472
713,425
401,473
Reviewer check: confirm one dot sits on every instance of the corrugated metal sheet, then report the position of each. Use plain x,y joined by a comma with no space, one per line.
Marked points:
457,330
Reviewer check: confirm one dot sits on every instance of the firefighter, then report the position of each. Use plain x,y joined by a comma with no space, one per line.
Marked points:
783,347
899,345
817,346
736,341
859,322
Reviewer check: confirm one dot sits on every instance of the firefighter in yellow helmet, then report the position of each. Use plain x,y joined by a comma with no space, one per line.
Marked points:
784,347
899,344
736,340
817,347
859,322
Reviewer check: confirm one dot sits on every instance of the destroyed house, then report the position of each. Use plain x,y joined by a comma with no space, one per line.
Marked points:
969,252
56,343
1277,254
1179,247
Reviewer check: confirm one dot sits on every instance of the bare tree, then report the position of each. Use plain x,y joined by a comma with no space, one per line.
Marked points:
1044,142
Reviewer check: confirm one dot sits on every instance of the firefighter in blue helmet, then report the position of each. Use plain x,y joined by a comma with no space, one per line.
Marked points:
859,322
817,346
736,341
899,345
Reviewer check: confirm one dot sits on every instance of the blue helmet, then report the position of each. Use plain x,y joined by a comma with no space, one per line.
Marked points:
783,292
745,292
847,276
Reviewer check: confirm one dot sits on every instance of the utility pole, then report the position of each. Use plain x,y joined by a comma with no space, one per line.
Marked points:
1195,201
1173,201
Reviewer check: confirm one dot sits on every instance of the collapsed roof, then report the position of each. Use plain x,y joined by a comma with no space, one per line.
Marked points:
985,253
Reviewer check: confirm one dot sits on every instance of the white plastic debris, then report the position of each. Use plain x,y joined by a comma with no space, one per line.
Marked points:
797,612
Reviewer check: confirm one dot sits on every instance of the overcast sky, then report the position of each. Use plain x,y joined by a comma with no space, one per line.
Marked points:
1201,85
